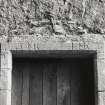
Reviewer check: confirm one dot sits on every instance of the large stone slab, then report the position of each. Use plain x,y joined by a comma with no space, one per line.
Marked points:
5,97
6,60
100,67
101,98
5,79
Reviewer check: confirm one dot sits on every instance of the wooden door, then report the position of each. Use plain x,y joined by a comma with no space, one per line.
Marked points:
52,82
82,82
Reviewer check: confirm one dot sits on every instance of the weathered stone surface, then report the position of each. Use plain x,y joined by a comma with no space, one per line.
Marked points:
100,55
85,42
5,97
75,46
101,98
22,19
101,74
6,60
53,45
5,79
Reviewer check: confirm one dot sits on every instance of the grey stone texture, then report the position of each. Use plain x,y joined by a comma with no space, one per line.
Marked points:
30,44
34,16
5,97
101,98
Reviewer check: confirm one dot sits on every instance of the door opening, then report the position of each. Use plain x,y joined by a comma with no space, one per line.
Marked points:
53,81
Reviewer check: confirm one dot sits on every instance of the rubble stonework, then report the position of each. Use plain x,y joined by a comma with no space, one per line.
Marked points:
20,17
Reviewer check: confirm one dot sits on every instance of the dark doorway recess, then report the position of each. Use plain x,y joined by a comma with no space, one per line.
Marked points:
53,81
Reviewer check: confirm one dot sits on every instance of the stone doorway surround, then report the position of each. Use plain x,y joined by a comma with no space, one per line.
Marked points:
52,46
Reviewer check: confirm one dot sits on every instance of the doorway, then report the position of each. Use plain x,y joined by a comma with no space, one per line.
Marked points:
53,81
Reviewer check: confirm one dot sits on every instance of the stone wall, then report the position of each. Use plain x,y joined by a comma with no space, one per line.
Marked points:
19,17
28,45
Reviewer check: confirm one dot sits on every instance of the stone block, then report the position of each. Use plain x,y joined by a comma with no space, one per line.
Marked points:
30,45
11,46
24,46
101,74
100,55
6,60
15,46
5,97
4,46
81,46
100,47
75,46
101,98
54,45
5,79
92,45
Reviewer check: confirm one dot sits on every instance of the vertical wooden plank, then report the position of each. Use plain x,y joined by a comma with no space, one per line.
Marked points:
25,87
49,83
63,83
76,83
16,84
35,84
80,84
